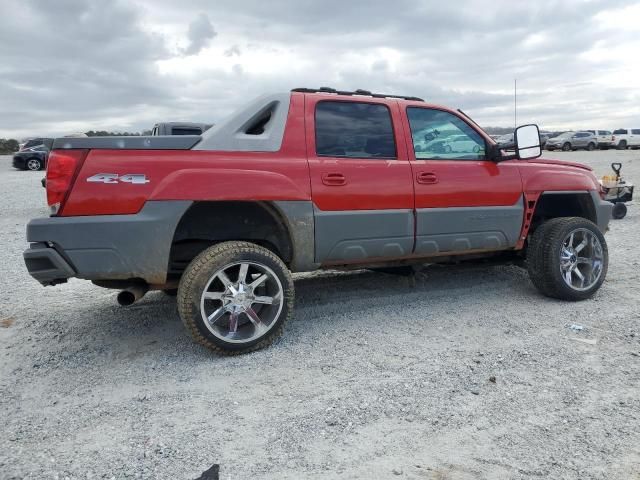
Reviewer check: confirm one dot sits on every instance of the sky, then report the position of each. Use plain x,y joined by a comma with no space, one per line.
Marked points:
123,65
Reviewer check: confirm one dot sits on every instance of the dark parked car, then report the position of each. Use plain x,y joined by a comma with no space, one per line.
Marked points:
37,141
33,158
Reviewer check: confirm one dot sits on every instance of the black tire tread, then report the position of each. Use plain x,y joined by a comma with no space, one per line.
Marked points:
222,253
539,252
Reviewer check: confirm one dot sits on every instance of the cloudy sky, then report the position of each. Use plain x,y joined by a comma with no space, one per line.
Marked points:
75,65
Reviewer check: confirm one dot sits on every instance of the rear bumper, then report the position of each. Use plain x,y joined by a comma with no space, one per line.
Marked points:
104,247
46,265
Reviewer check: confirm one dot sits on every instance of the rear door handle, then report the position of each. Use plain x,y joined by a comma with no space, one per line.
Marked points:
426,178
334,179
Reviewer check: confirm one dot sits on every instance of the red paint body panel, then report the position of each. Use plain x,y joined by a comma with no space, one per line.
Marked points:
549,177
196,174
369,183
333,183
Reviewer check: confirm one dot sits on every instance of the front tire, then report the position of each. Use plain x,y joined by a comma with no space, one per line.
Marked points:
591,147
566,147
622,145
567,258
34,164
235,297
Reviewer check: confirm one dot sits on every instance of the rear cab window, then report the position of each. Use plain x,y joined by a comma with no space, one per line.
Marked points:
185,131
438,134
354,130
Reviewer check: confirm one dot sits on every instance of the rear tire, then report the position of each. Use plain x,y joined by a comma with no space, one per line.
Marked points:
619,211
591,147
622,145
559,248
566,147
235,297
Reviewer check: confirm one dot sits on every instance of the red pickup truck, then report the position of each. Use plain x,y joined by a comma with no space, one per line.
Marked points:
305,180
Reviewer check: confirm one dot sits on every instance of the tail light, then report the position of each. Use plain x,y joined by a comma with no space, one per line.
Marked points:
62,168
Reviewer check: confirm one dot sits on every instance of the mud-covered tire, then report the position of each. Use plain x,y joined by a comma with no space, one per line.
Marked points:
544,257
205,267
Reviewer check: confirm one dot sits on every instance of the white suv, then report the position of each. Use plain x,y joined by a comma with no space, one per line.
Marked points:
626,137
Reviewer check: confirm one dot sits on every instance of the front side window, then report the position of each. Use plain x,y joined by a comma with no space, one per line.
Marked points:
636,131
441,135
620,131
354,130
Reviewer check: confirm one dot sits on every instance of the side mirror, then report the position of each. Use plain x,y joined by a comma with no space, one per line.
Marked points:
527,140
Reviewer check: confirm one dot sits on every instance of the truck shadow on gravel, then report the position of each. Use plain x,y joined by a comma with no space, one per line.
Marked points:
152,326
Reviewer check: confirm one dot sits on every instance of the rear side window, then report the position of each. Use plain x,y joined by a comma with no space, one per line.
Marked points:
636,131
354,130
620,131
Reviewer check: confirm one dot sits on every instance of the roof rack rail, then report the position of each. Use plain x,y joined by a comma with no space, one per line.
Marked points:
357,92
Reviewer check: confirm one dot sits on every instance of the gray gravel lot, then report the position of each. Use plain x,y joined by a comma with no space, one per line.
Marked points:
374,377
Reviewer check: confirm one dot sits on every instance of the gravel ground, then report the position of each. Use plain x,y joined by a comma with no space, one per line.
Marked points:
468,374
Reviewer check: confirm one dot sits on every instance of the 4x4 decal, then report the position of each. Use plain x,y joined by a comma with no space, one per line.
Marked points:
136,178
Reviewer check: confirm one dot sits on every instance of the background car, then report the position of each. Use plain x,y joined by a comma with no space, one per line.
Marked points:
37,141
506,138
626,137
33,158
604,138
568,141
461,144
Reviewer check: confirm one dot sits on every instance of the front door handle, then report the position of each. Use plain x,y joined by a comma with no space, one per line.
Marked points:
426,178
334,179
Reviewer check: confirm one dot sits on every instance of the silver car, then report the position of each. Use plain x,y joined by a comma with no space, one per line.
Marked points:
572,141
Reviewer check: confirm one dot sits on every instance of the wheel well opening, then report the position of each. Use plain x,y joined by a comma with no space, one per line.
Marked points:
563,205
208,223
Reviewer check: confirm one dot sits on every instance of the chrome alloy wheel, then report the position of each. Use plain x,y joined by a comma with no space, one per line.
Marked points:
33,164
581,259
243,309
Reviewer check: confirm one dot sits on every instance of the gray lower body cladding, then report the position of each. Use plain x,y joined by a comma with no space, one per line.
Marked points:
300,224
458,229
104,247
122,247
377,234
603,211
361,234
